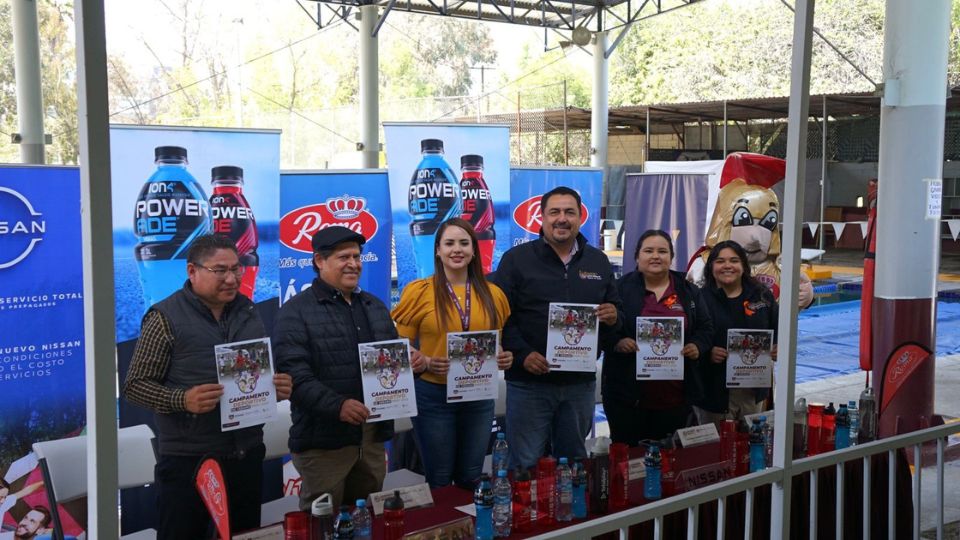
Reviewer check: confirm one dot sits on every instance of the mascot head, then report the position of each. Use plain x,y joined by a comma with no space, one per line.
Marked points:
748,211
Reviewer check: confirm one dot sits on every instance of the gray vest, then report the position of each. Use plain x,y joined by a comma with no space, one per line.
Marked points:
195,333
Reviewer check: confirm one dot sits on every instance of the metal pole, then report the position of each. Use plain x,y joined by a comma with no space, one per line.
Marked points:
98,292
724,129
26,51
912,115
646,142
823,171
369,89
789,277
599,108
519,133
566,134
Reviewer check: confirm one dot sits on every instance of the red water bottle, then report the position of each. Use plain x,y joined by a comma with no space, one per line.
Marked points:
728,445
393,517
619,481
233,218
546,491
478,207
814,428
296,526
521,501
828,431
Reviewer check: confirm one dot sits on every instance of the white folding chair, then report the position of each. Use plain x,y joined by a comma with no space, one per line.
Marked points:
401,477
63,463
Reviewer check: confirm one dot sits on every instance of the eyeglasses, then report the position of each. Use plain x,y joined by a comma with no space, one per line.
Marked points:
221,272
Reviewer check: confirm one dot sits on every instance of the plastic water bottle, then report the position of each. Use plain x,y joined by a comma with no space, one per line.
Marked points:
828,435
343,528
170,212
233,218
522,502
579,505
564,491
800,428
362,521
652,489
483,503
767,441
842,438
758,459
434,197
600,476
393,517
502,505
868,416
854,415
501,451
478,207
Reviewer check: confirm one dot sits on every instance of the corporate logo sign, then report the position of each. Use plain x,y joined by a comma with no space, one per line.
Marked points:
298,226
22,226
529,216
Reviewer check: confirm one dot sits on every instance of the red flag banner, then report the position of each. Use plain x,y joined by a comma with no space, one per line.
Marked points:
213,491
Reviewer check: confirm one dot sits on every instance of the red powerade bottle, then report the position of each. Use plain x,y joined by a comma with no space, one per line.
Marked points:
478,207
232,217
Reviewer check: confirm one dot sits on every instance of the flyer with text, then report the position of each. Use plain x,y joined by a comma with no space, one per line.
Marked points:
473,365
572,331
749,362
659,348
387,380
245,369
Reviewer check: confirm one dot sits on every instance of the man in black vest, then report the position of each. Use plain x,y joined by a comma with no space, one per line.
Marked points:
174,373
334,449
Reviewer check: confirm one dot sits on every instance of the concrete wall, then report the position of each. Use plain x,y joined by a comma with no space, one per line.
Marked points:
625,149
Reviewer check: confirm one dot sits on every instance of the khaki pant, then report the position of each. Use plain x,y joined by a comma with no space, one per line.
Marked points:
347,474
742,402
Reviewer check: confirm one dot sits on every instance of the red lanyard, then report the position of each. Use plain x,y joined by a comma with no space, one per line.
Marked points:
464,314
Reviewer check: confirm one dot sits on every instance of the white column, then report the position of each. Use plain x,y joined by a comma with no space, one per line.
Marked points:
792,206
98,292
599,110
369,89
26,51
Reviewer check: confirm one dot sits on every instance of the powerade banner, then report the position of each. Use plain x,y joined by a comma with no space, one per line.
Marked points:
171,185
672,202
41,342
311,201
443,171
528,184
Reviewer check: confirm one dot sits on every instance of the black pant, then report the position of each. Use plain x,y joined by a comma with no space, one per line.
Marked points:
182,514
631,423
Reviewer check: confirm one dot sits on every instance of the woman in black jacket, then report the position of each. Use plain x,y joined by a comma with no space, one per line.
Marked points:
735,300
639,410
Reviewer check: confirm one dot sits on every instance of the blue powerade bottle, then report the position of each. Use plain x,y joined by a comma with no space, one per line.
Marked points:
434,197
171,211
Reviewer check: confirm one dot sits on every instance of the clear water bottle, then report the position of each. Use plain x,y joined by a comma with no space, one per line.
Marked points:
758,459
483,503
767,441
434,197
502,505
800,428
854,415
579,489
501,451
842,437
362,521
564,491
170,212
652,489
343,528
868,416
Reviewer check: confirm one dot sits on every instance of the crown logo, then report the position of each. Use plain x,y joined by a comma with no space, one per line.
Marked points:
346,206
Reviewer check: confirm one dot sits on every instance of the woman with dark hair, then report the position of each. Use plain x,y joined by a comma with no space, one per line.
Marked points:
639,410
735,300
452,437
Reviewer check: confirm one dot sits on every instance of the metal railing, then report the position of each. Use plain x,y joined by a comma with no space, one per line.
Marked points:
691,501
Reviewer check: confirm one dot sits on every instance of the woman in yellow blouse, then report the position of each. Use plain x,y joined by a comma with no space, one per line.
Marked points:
453,437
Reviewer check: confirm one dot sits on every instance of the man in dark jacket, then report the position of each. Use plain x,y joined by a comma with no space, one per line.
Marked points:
174,373
334,449
545,406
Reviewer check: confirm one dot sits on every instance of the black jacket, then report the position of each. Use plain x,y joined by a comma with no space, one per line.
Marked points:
532,276
620,370
760,313
318,348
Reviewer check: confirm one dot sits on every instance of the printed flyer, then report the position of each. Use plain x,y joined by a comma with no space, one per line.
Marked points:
659,346
749,364
473,365
572,342
245,369
387,380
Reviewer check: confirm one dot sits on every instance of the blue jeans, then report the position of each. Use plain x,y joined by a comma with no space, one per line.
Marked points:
453,437
539,412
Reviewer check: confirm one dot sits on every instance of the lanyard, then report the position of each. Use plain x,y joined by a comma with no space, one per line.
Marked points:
464,314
